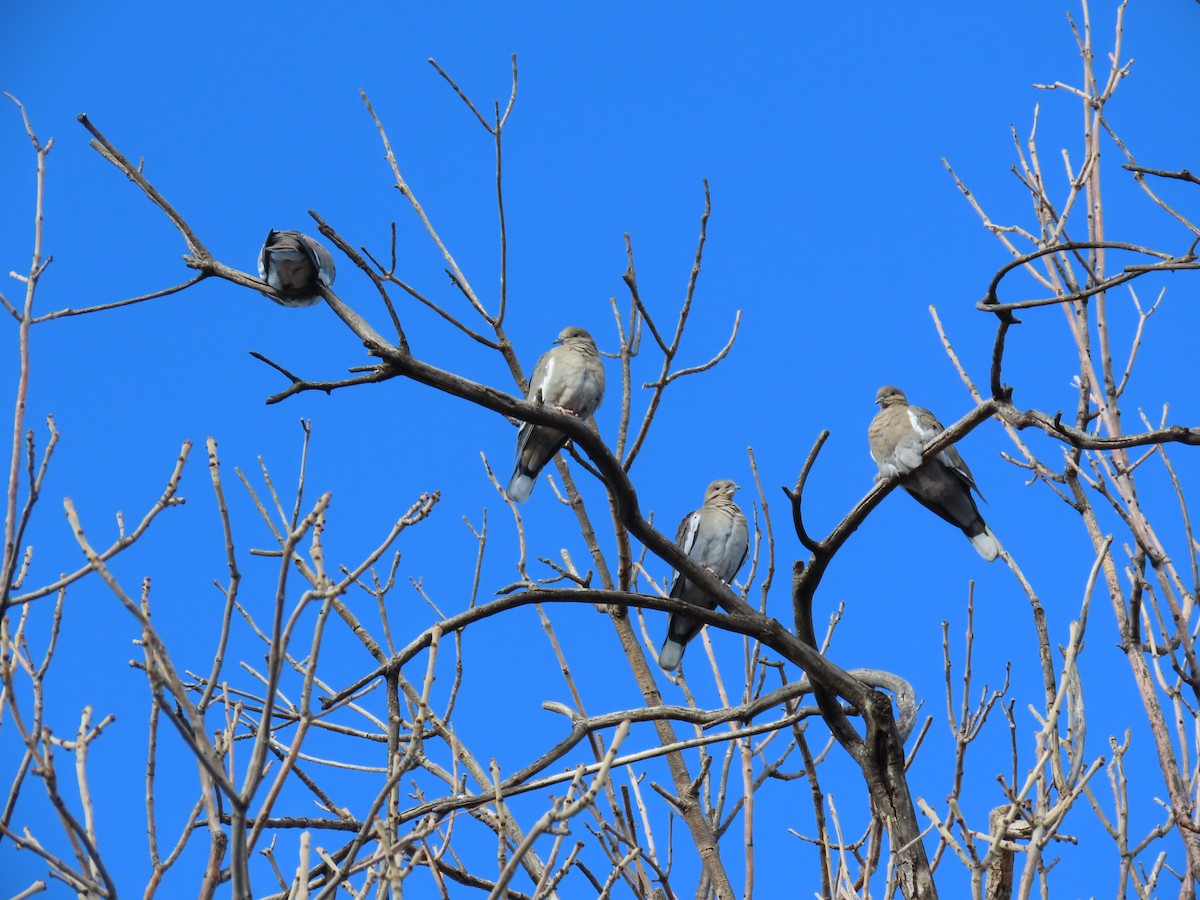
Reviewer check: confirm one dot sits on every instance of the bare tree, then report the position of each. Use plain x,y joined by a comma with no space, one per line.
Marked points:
373,787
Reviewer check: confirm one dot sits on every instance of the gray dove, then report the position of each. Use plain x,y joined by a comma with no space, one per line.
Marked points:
570,377
716,537
293,263
899,434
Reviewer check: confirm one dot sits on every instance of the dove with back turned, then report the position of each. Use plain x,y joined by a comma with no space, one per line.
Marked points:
570,377
716,537
899,434
294,264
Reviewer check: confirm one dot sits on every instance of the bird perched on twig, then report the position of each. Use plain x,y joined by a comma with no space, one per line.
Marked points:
293,264
716,537
570,377
899,434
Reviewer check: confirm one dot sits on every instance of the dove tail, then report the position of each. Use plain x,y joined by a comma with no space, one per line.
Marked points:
520,487
671,654
986,543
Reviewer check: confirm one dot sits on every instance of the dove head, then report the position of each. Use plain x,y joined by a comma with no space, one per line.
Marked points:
722,487
574,333
282,240
890,396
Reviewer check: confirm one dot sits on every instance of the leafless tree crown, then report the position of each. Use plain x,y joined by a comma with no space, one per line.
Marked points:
373,787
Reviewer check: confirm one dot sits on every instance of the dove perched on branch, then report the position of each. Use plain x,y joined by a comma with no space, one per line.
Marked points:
293,264
716,537
899,434
570,377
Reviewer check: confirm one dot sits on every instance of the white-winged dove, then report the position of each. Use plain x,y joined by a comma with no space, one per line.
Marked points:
899,434
716,537
570,377
293,263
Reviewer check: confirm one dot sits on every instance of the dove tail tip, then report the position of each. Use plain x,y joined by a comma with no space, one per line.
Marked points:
519,488
987,545
671,655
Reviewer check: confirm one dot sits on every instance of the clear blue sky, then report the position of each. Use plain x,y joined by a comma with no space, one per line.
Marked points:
834,227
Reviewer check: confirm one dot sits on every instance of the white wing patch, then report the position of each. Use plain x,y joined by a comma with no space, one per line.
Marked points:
544,385
926,432
929,433
689,539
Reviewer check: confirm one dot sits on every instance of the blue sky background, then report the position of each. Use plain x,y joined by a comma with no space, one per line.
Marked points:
835,225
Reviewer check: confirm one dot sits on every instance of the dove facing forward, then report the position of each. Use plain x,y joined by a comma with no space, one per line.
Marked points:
899,434
716,537
293,264
570,377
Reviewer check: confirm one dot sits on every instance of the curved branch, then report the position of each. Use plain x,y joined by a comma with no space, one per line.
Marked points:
991,302
751,627
704,367
794,495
